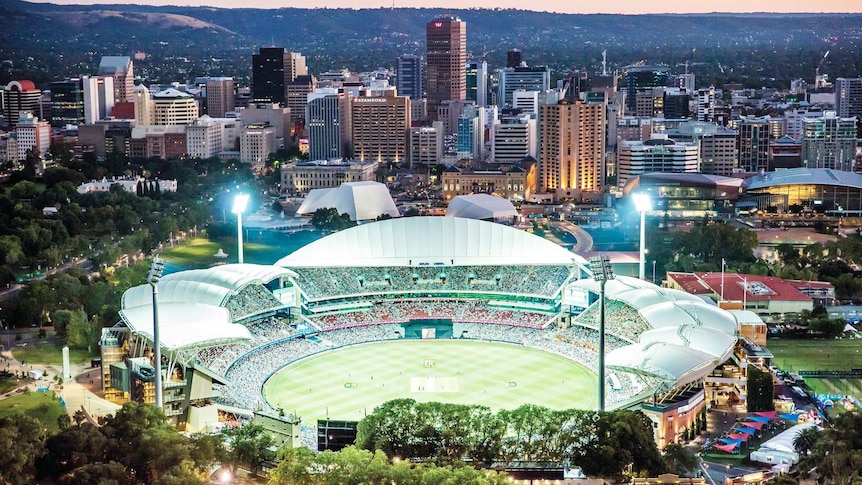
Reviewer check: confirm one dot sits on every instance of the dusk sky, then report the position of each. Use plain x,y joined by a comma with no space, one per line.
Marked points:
566,6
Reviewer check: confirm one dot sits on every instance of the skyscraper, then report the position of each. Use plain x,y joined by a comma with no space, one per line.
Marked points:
848,97
122,70
380,127
67,102
754,136
571,148
327,116
446,39
527,78
641,79
477,82
273,68
220,96
829,142
514,58
408,70
21,97
98,98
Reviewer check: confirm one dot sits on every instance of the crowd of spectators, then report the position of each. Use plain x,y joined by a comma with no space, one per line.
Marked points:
621,320
455,310
251,300
323,283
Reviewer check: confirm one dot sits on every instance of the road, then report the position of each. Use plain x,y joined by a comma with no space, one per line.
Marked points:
8,293
584,242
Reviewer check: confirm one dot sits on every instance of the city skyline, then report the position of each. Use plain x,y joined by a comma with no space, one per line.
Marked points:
559,6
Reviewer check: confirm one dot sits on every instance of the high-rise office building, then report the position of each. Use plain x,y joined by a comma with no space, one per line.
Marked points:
658,154
675,103
706,104
523,78
296,98
471,130
514,58
380,127
426,145
408,72
67,102
273,68
143,106
98,98
571,148
256,142
446,58
327,123
754,136
172,107
32,134
848,97
220,96
829,142
121,68
477,82
21,97
640,79
513,139
716,144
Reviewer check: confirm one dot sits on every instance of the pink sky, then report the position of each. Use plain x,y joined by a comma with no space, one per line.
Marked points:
565,6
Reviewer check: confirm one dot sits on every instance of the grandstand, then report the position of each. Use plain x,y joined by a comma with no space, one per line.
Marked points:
242,324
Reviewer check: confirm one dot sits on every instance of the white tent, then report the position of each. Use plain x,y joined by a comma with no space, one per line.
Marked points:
481,206
361,200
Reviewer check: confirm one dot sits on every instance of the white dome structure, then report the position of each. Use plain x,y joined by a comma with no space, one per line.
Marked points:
481,206
362,201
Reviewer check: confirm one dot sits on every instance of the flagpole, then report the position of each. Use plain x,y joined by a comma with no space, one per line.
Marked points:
722,279
744,292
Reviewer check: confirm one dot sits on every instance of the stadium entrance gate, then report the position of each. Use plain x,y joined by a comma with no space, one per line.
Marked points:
428,329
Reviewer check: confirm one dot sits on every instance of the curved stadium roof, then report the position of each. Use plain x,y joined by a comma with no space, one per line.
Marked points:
805,176
434,241
191,305
687,337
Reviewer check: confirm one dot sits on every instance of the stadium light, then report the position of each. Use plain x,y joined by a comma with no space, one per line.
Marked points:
602,272
240,202
157,267
643,204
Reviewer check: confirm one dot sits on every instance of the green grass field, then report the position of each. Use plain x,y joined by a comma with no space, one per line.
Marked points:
348,382
835,385
49,354
794,355
40,405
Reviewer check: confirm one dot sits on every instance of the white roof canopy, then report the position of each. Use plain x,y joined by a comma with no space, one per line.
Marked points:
481,206
360,200
434,241
185,325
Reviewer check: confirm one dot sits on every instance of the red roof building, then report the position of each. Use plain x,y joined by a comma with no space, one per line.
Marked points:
761,294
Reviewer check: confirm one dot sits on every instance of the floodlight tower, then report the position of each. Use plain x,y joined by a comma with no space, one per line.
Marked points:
240,202
643,204
602,272
156,269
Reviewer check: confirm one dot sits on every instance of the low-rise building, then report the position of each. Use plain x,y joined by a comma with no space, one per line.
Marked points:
129,184
300,178
517,182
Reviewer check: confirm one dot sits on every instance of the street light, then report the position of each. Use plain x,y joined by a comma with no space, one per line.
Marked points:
643,204
156,269
239,204
602,272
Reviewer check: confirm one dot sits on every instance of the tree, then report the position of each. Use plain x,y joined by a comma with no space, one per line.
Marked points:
806,439
22,443
24,189
71,448
679,460
248,445
760,390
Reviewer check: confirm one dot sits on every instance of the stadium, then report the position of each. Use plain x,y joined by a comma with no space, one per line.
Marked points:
498,315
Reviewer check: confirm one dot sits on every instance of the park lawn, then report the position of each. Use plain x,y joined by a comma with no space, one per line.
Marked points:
198,252
43,406
7,384
49,354
348,382
795,355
